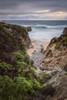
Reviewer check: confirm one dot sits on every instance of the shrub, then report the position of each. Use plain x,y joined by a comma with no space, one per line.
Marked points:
6,88
5,66
21,63
65,73
49,53
36,84
25,71
45,85
39,77
10,35
47,75
24,86
33,69
58,45
19,56
65,41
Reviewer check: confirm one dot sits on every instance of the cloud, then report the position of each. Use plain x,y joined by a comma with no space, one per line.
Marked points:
29,9
43,11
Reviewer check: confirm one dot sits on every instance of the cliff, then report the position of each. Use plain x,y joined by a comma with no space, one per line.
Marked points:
56,52
54,65
18,80
18,77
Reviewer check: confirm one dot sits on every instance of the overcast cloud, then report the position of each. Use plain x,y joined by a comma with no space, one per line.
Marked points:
33,9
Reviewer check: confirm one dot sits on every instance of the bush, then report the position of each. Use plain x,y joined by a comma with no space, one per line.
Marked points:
65,41
45,85
36,84
19,56
58,45
47,75
65,73
4,66
33,69
6,88
39,77
24,86
21,63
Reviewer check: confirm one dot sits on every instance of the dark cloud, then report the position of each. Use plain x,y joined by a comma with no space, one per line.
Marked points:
15,7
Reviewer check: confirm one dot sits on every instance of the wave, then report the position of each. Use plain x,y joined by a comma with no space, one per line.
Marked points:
46,26
51,27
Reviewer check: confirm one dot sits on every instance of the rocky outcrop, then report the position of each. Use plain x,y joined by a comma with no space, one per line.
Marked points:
28,29
55,64
65,31
56,53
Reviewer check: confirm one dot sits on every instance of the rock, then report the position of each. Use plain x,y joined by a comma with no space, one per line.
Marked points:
29,29
31,46
65,31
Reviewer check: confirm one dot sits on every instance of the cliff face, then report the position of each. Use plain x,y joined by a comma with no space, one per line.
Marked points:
18,80
55,64
56,53
13,38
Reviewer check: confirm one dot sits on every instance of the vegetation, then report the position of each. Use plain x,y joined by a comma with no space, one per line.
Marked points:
65,73
65,41
49,53
6,66
46,85
18,79
58,45
47,75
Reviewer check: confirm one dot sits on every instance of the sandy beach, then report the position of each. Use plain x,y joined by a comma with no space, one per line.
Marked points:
35,47
36,51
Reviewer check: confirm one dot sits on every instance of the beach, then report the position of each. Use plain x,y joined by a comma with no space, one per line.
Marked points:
36,51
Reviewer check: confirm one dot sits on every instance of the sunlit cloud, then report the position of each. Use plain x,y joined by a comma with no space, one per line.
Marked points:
58,15
43,11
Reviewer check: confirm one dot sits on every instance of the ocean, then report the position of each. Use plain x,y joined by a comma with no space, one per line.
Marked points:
42,29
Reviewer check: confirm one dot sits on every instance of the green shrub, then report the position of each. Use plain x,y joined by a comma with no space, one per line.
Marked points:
19,56
10,35
58,45
5,66
39,77
33,69
47,75
65,73
21,63
46,85
65,41
24,86
49,53
36,84
7,88
25,71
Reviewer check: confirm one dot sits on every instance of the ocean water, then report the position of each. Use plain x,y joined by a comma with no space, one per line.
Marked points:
42,30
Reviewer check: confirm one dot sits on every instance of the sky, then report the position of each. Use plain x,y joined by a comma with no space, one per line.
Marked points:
33,9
